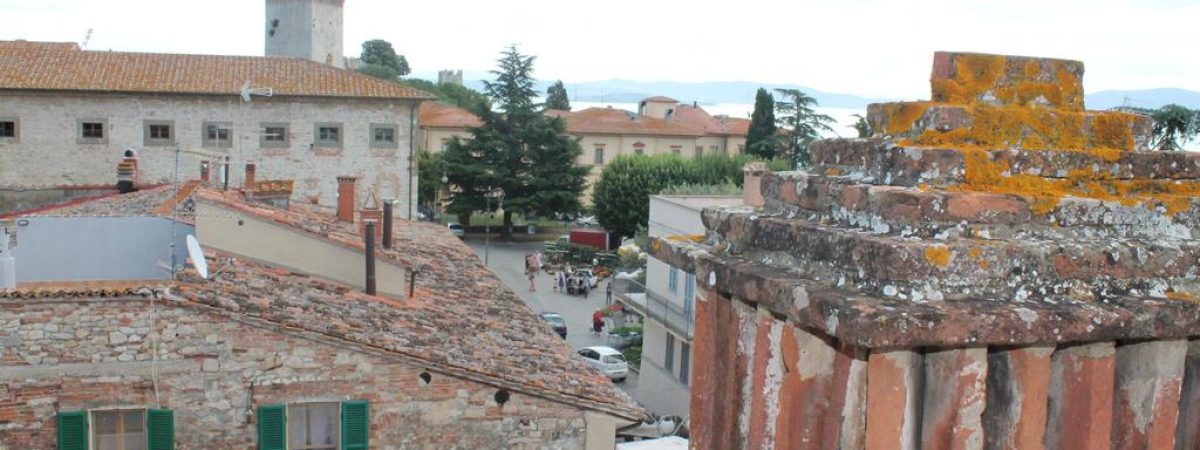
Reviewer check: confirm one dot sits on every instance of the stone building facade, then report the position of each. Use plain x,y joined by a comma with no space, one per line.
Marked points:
997,269
76,112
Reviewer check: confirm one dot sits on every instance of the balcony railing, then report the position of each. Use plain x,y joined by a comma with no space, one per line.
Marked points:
654,306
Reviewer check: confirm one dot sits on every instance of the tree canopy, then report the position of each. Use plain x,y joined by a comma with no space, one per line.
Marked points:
517,150
452,94
1174,127
381,61
861,126
621,198
795,113
556,97
761,139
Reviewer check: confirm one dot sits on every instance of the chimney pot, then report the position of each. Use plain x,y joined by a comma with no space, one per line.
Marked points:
248,184
369,247
752,183
370,212
387,223
345,200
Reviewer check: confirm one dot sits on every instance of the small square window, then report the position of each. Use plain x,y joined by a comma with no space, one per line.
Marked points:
9,130
158,132
92,131
445,144
328,135
273,135
676,149
598,155
119,429
218,134
383,135
314,426
699,150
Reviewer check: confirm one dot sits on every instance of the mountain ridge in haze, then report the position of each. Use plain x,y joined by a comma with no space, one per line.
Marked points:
742,92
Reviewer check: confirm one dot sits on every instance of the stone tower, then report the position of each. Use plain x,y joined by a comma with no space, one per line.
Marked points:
310,29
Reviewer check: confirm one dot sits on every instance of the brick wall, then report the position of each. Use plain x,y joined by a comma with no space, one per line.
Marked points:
213,371
49,155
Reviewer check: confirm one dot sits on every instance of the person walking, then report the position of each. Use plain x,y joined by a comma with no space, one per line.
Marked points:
608,292
532,288
597,322
587,287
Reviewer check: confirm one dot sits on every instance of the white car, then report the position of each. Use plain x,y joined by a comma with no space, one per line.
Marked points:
608,360
456,229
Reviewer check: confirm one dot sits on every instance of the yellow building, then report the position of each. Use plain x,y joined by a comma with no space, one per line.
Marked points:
661,125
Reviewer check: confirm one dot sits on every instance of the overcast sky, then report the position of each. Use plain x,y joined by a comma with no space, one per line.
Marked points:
875,48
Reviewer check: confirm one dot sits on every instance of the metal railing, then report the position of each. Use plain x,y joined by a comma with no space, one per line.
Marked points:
654,306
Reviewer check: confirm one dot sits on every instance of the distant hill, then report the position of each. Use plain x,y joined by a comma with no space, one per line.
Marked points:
742,92
1143,98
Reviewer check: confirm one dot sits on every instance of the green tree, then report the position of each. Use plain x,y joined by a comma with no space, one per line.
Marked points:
861,126
556,97
1174,126
381,61
517,150
761,139
795,113
430,170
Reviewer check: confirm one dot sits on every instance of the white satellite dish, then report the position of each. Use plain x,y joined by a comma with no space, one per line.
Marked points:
197,256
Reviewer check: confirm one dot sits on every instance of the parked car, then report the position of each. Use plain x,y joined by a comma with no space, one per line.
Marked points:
556,322
456,229
608,360
577,279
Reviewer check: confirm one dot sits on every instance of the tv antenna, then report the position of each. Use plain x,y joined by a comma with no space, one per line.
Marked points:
247,91
86,38
197,256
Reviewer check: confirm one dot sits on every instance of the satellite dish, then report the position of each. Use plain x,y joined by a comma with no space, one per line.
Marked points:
197,256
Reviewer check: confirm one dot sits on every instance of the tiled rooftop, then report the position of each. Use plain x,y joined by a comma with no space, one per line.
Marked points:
152,201
619,121
437,115
64,66
461,320
697,118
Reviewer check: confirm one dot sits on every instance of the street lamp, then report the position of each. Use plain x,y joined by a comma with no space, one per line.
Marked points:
487,227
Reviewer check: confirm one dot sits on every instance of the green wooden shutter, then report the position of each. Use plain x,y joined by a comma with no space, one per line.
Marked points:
160,429
272,420
355,425
72,430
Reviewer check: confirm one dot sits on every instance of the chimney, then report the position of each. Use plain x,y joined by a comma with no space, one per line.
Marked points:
8,265
369,245
752,183
370,212
225,175
125,176
345,200
248,183
131,157
387,223
204,172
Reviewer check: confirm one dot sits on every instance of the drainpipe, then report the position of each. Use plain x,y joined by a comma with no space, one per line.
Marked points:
8,264
412,139
387,223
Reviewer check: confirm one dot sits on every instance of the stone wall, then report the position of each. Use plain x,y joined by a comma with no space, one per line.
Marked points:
214,369
48,153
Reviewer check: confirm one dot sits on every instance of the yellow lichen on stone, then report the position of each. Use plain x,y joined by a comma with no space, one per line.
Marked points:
938,254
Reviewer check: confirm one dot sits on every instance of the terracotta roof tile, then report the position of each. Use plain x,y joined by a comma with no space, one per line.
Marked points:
619,121
151,201
698,119
660,99
438,115
63,66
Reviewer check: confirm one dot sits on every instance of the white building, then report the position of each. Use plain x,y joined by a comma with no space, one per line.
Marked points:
667,306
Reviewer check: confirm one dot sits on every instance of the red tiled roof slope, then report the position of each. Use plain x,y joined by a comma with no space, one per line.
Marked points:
619,121
63,66
437,115
699,119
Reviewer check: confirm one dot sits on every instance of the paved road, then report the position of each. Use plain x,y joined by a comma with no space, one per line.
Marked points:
507,261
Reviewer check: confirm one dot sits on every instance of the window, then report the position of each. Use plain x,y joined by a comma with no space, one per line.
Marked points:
741,147
689,291
92,131
639,148
9,130
445,144
217,134
274,135
669,360
699,151
158,132
685,356
383,135
313,426
714,149
119,430
598,155
676,149
673,280
328,135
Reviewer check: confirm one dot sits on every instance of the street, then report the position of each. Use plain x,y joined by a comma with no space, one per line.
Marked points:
507,261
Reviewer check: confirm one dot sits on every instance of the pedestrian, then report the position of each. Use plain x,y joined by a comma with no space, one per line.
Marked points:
587,286
527,262
532,288
537,260
597,322
608,292
562,281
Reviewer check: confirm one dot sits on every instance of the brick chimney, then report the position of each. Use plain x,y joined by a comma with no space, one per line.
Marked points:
125,176
131,158
345,200
370,212
248,183
752,183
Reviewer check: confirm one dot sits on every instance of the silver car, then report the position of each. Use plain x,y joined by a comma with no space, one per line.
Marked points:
456,229
608,360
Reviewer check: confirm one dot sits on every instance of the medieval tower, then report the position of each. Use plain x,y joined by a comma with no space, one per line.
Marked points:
310,29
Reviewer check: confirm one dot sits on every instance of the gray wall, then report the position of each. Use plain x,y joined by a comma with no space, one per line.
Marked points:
96,248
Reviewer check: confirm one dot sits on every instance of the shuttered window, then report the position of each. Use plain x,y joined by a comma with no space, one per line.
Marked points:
160,429
72,430
344,426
